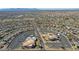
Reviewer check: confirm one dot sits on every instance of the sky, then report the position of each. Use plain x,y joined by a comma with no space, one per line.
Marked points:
39,3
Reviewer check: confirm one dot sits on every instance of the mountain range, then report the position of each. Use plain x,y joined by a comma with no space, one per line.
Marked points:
39,9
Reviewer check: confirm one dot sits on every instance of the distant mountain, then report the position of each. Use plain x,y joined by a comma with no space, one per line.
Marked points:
59,9
38,9
19,9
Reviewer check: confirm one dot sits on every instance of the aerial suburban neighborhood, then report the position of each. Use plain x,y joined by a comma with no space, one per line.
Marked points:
39,29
